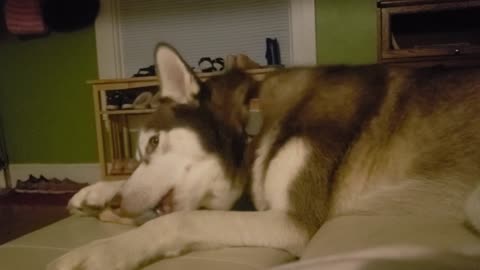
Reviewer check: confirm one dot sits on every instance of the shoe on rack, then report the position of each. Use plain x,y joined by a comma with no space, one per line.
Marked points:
143,100
219,64
146,71
114,100
127,98
205,64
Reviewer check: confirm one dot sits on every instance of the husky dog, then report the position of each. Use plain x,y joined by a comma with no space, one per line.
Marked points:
365,140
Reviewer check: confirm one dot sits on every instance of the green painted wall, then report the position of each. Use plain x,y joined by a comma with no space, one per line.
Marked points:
45,104
346,31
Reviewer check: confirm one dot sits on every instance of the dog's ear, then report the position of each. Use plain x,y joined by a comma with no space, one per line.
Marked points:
177,80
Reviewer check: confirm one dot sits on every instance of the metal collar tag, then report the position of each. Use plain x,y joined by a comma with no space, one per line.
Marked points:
255,118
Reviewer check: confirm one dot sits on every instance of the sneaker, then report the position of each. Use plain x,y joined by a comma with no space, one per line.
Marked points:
28,186
72,186
43,185
146,71
130,99
142,101
56,186
219,64
20,185
205,64
65,186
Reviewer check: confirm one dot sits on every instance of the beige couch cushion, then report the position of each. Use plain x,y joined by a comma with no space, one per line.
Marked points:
391,242
35,250
343,243
352,233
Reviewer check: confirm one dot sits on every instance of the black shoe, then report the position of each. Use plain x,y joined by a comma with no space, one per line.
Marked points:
272,52
114,100
206,64
127,98
219,64
28,186
147,71
20,185
43,185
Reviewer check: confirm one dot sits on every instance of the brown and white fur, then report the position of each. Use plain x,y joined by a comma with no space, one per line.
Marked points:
365,140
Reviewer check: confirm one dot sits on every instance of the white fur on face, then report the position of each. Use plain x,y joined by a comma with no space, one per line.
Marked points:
179,162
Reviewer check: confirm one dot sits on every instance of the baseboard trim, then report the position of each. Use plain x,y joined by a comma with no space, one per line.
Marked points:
81,172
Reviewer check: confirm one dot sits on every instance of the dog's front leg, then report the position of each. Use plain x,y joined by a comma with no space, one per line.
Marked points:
180,232
91,200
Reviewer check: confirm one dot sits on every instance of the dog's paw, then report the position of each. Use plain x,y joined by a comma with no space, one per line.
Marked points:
98,255
92,199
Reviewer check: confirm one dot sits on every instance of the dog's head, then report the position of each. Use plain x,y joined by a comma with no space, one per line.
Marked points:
191,150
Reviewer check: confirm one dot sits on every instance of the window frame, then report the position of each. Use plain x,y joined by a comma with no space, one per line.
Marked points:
110,56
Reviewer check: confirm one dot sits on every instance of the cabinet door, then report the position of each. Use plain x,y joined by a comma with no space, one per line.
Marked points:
429,30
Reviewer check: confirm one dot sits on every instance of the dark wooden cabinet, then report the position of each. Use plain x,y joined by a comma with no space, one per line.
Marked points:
427,32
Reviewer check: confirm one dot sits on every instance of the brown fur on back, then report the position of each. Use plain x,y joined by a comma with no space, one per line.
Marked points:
422,151
383,140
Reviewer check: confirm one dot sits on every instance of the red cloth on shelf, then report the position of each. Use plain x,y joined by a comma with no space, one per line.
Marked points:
24,17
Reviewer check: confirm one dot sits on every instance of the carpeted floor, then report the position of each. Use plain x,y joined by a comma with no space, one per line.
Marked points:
24,213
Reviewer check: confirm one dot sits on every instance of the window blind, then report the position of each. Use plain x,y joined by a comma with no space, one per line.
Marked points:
201,28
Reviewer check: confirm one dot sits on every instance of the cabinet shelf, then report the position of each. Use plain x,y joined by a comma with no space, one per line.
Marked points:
127,111
427,32
117,130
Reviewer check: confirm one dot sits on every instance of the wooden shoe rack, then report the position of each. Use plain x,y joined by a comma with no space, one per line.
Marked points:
117,130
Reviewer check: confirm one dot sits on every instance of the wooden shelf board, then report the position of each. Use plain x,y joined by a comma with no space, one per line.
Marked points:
104,123
201,75
142,111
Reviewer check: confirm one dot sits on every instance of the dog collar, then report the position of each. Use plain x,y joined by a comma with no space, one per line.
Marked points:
255,118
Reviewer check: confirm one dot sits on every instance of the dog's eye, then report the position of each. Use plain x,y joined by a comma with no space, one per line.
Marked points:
153,141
